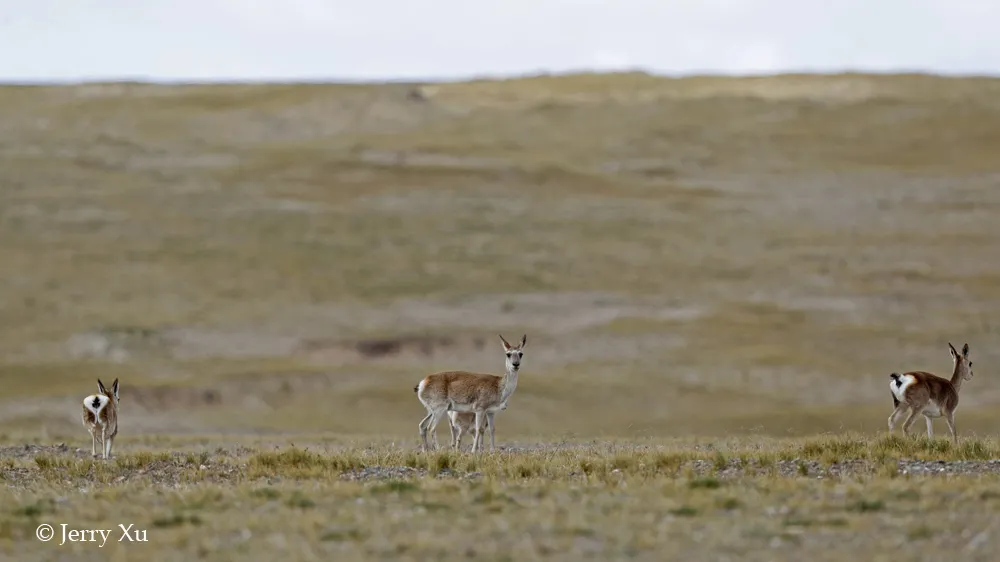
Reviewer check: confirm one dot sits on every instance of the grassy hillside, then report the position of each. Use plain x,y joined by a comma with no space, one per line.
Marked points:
687,256
710,272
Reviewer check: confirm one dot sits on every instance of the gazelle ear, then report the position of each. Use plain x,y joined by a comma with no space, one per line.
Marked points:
954,354
100,387
965,350
524,340
114,387
506,345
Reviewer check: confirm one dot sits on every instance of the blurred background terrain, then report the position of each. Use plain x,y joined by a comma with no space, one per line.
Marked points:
706,256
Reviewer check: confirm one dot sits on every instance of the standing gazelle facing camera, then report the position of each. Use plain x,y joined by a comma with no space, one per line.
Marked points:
100,417
462,391
928,394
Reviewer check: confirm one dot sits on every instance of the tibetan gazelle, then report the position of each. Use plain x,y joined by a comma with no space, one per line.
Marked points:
100,417
462,391
924,393
462,422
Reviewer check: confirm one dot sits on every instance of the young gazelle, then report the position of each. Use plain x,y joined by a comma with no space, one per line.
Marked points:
100,417
462,391
933,396
461,422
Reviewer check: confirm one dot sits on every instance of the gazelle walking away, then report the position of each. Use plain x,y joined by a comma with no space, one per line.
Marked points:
461,422
462,391
924,393
100,417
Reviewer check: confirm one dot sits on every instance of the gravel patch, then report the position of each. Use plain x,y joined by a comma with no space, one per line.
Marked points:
950,468
383,473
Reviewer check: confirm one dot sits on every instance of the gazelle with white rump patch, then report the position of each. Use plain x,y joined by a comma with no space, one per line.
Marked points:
462,391
100,417
920,392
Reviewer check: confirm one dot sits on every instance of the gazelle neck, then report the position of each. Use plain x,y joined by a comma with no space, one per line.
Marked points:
508,382
957,376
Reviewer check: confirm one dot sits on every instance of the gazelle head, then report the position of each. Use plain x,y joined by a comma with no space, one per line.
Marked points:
962,364
113,395
514,353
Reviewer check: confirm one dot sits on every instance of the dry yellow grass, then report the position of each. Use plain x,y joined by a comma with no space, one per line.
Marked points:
748,499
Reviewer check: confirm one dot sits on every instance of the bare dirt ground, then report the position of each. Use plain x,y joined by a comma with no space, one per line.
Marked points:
698,258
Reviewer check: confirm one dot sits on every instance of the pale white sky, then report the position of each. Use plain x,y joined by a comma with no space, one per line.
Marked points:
413,39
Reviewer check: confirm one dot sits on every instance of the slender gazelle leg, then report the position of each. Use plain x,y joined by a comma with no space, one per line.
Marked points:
949,418
896,414
489,420
909,421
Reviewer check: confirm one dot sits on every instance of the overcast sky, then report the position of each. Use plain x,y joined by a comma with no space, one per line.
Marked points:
413,39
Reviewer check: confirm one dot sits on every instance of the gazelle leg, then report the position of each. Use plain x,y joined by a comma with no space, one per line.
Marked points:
909,421
475,435
949,418
104,441
894,417
477,443
424,424
930,427
459,433
489,420
93,443
434,423
455,429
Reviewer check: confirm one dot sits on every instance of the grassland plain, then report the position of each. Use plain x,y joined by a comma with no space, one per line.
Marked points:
690,258
745,498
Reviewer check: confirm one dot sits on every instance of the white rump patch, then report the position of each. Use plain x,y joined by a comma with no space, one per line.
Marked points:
899,386
100,400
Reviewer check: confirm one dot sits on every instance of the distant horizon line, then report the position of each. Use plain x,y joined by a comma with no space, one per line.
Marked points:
485,77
